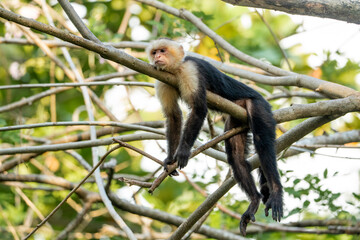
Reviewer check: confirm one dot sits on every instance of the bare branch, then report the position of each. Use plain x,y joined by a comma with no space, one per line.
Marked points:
296,94
336,138
84,123
205,146
323,108
30,100
276,39
100,83
203,208
119,56
76,20
322,86
345,10
71,192
76,221
72,145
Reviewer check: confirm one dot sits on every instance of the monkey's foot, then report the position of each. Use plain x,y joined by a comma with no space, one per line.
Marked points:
245,219
275,203
248,215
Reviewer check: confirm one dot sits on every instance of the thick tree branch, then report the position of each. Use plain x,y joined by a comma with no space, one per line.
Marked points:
140,66
345,10
323,108
76,20
339,138
322,86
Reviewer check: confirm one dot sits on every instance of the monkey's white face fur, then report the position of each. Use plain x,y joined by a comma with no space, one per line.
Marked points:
165,54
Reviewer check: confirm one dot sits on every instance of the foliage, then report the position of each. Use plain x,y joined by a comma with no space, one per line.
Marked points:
241,27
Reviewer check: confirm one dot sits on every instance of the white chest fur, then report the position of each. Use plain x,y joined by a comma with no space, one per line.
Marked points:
188,82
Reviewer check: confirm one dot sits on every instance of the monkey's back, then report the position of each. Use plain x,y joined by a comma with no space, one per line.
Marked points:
220,83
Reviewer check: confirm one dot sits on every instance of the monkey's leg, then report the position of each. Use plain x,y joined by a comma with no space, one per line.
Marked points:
235,149
263,128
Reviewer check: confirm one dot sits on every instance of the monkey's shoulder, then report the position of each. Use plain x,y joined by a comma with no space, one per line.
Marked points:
199,63
220,83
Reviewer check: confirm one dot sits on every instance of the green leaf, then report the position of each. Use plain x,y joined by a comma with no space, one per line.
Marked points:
295,211
296,181
306,204
357,196
325,174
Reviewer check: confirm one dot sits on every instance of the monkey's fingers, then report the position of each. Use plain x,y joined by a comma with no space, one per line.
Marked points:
245,219
182,158
168,161
277,209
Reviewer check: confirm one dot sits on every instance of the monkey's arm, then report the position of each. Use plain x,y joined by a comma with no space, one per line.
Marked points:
191,129
168,97
173,129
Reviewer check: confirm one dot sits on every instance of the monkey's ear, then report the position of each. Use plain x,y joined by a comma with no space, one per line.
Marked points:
148,51
177,52
182,51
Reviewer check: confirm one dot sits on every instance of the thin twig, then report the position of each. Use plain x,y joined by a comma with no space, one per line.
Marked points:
76,20
71,192
32,206
203,208
76,221
275,39
84,123
135,182
124,144
10,226
85,32
203,147
100,83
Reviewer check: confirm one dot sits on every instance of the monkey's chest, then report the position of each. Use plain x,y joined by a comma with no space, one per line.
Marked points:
188,84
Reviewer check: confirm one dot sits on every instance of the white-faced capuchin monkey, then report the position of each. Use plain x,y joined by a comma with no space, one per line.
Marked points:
195,76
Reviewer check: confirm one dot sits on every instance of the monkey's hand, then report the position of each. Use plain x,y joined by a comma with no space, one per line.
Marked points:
182,157
275,202
170,161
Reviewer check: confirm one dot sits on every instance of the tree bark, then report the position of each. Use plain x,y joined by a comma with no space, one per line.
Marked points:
345,10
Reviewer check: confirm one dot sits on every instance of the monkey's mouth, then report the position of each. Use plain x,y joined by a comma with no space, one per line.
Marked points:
159,62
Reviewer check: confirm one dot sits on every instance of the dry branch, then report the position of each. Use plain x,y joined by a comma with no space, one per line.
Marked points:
345,10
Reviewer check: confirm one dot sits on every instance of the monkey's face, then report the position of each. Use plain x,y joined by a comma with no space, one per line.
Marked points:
160,58
165,55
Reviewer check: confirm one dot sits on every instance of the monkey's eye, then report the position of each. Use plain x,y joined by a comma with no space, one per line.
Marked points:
162,50
153,53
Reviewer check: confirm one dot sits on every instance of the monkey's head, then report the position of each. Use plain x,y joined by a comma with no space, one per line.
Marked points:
165,54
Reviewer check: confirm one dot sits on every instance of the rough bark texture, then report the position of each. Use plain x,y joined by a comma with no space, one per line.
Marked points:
345,10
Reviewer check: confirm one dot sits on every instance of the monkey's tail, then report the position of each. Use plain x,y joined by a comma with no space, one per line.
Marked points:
263,125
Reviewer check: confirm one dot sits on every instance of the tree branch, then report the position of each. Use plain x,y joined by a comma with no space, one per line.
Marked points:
344,10
322,86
